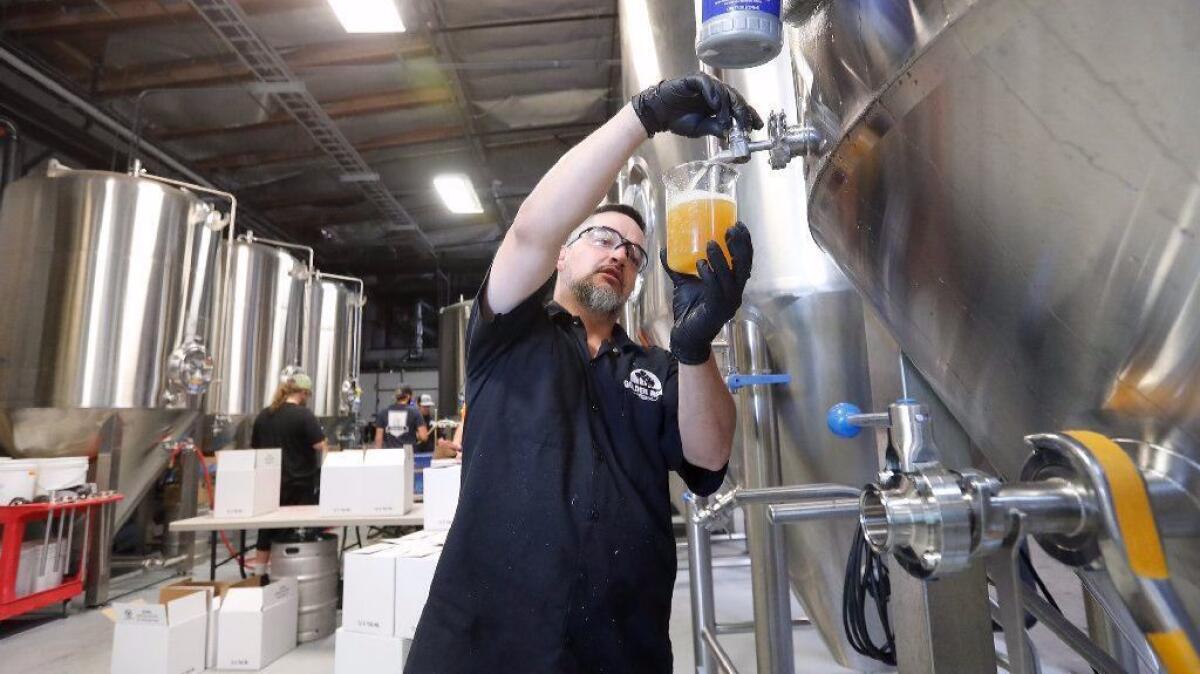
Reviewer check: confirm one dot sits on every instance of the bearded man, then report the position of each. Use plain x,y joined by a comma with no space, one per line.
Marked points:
561,558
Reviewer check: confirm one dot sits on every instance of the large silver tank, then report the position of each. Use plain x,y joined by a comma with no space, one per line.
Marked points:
103,277
263,337
452,356
810,316
1014,186
332,350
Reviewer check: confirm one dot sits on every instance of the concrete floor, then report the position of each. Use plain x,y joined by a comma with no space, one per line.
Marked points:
81,643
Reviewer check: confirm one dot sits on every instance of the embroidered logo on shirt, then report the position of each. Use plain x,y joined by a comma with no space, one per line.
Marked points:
644,384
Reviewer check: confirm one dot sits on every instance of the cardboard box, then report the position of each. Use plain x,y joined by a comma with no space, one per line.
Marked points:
415,564
215,591
257,624
160,638
441,495
341,483
387,482
247,482
30,578
358,653
369,590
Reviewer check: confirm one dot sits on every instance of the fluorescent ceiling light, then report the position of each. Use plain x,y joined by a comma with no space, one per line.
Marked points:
457,193
368,16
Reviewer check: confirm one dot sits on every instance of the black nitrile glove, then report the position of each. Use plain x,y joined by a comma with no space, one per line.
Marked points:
703,305
695,105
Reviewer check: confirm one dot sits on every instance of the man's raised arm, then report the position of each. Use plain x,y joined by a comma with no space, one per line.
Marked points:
693,106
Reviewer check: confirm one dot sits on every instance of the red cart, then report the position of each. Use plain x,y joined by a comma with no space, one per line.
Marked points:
61,528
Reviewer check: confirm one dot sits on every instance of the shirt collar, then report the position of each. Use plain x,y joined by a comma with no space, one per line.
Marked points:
559,314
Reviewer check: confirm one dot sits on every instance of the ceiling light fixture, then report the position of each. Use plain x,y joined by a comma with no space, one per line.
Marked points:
457,193
368,16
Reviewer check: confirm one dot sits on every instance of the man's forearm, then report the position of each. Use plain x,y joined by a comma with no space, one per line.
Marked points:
563,198
706,415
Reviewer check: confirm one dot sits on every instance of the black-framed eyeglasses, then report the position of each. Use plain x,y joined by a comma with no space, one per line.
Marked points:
607,237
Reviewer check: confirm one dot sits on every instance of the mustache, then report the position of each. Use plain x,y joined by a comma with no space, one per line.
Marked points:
615,270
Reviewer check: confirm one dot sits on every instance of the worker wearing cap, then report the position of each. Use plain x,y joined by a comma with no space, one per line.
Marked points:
425,407
288,424
400,424
561,558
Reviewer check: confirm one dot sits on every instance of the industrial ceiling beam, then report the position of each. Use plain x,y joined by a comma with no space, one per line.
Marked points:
255,159
192,72
536,134
113,15
118,128
528,21
351,106
232,25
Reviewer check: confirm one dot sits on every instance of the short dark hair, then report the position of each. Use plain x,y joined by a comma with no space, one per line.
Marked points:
626,210
404,391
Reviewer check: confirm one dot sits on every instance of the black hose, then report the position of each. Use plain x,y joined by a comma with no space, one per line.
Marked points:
867,575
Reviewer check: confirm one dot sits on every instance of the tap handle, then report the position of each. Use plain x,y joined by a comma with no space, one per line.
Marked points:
847,420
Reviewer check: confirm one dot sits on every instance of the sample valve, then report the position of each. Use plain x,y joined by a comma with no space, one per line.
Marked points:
783,142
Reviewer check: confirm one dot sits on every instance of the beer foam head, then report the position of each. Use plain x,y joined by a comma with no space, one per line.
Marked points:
697,195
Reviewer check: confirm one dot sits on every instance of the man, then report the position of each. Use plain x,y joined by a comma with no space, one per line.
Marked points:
400,424
425,406
289,424
562,558
452,448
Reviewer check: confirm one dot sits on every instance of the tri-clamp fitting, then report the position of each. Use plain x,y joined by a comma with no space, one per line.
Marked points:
783,142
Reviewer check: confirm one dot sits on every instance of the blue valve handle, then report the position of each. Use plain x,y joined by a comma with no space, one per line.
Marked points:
737,381
838,420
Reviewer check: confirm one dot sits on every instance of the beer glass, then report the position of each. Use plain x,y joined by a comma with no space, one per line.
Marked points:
701,206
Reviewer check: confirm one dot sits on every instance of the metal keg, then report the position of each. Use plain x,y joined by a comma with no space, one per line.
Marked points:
312,559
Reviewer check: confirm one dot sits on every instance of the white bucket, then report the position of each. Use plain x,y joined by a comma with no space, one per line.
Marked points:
17,480
55,474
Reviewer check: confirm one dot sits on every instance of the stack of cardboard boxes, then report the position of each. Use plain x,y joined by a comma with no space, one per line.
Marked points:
370,482
442,479
247,482
197,625
385,589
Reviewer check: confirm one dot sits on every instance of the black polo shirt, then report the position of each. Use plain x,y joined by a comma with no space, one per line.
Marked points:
561,558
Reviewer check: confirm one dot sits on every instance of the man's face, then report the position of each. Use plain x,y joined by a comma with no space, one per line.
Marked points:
606,274
426,410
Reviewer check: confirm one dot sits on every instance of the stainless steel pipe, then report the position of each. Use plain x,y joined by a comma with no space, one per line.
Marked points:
1050,507
792,513
700,583
768,495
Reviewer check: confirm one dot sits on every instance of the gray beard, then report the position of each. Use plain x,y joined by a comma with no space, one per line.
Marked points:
597,298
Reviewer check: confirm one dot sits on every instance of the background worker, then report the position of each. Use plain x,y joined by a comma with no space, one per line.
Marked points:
400,423
425,406
453,448
288,424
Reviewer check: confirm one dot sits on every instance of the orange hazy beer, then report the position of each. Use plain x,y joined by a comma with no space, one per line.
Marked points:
693,219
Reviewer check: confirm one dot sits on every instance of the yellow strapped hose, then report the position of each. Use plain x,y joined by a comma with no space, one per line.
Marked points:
1139,533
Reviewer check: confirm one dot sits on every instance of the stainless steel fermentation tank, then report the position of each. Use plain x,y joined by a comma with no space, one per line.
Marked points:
452,356
264,311
333,352
808,319
1013,186
109,283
